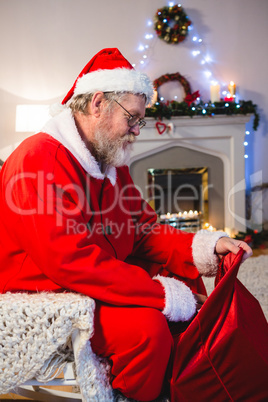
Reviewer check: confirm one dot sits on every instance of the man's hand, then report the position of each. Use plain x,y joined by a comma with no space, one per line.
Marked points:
200,300
225,245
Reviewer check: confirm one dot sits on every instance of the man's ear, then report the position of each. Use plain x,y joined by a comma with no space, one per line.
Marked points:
97,103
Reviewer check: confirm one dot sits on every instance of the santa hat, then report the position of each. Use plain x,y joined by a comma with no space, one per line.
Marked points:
109,71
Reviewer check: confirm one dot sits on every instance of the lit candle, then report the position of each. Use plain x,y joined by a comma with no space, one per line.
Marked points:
228,97
215,93
155,97
231,89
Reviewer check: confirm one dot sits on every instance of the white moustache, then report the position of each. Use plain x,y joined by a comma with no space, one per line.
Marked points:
129,138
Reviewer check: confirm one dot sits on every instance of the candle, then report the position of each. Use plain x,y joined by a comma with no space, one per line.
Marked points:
228,98
215,93
231,89
155,97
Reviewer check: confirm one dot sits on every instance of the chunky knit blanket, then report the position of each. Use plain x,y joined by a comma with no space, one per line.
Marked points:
35,334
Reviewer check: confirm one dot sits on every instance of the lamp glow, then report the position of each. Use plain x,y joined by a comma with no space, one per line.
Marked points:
31,118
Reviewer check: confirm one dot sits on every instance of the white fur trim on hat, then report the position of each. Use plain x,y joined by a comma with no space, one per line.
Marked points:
115,80
203,247
180,304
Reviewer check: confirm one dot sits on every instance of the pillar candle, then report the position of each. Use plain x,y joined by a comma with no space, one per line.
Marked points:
231,89
215,93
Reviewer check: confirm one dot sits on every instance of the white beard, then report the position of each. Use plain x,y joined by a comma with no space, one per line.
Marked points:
114,152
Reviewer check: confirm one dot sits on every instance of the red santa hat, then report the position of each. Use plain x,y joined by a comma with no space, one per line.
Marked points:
109,71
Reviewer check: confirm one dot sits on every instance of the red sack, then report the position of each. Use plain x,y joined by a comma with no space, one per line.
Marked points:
223,354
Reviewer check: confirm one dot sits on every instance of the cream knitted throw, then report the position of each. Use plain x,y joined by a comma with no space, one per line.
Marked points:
35,330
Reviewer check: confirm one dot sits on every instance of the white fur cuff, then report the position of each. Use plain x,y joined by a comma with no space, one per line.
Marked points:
203,246
180,304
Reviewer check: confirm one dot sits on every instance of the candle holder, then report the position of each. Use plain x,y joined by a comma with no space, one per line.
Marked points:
189,221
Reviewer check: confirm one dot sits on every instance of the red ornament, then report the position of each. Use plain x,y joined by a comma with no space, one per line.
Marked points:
161,127
190,98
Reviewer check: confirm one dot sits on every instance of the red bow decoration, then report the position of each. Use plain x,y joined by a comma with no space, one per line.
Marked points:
161,127
190,98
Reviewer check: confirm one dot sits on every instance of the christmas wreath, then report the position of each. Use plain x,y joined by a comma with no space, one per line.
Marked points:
171,24
189,97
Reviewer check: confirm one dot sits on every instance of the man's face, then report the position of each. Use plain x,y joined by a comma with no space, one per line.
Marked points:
113,138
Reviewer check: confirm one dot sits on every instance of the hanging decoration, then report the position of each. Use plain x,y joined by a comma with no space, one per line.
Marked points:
189,96
162,127
171,24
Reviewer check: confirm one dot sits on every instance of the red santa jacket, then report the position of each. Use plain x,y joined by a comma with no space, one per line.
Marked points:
65,226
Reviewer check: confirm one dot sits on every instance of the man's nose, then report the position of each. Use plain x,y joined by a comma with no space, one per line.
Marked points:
135,129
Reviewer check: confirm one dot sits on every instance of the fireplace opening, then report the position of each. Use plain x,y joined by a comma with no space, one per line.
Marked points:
180,196
183,161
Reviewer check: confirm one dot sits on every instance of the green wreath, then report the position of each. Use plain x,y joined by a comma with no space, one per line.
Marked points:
189,97
171,24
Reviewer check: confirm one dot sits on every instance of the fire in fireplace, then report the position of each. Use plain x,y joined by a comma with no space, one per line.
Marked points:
179,196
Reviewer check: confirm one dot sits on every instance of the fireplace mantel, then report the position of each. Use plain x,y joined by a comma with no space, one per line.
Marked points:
220,136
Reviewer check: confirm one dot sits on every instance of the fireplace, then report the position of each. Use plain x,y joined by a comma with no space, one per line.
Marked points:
178,190
210,147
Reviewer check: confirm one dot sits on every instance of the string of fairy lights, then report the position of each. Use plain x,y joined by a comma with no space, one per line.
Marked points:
199,52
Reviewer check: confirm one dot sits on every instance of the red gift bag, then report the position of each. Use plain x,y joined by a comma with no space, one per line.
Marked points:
223,354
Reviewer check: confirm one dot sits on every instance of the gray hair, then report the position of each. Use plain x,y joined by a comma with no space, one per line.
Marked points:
80,102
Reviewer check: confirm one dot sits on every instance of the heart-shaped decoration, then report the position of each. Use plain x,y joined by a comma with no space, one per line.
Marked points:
161,127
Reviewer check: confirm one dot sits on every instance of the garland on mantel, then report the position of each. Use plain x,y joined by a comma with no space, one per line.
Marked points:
169,109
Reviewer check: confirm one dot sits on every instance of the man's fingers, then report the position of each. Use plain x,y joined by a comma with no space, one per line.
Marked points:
200,299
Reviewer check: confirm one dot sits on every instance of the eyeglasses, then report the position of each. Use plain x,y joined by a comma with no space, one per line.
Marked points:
133,120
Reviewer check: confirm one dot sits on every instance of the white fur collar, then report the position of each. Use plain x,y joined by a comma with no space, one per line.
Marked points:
62,127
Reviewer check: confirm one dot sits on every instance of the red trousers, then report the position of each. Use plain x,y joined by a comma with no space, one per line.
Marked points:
139,344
